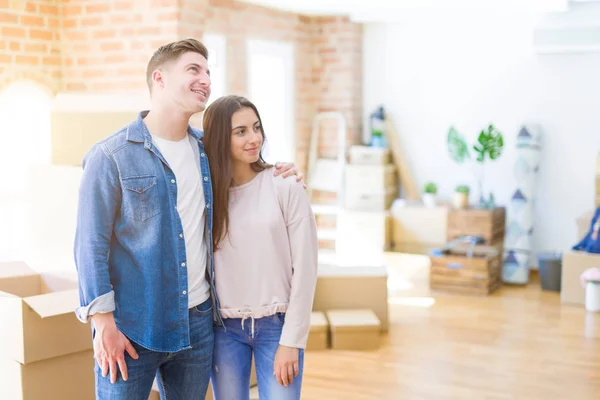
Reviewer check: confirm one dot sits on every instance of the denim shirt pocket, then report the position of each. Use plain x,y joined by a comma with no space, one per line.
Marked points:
140,197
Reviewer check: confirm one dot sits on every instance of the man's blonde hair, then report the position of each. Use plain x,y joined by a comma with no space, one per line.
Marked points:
171,52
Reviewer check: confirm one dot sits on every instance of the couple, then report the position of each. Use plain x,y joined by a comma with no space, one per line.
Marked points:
192,252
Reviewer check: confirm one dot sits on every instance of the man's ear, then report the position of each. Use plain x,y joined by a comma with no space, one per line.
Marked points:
158,78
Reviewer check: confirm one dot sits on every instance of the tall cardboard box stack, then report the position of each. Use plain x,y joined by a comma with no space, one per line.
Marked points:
45,352
370,187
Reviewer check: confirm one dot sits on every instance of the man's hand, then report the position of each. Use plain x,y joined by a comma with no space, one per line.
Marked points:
110,346
287,170
285,366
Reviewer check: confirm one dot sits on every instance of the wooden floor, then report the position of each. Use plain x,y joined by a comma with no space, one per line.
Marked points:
519,343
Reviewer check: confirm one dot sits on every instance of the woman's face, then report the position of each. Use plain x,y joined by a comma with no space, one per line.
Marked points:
246,136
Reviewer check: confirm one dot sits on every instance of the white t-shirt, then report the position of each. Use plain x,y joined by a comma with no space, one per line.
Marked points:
190,205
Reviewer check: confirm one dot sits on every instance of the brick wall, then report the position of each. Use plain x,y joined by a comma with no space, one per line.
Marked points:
29,42
104,45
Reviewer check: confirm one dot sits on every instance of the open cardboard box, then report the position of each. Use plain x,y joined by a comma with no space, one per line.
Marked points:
37,319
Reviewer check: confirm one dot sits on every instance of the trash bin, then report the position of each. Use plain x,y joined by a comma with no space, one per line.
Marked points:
550,267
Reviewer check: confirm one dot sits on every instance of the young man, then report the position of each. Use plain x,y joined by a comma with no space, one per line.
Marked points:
143,241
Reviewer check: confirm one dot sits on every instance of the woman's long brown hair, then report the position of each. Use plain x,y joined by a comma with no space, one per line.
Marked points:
217,143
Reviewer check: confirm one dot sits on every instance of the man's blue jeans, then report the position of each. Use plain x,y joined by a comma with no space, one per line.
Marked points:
233,356
183,375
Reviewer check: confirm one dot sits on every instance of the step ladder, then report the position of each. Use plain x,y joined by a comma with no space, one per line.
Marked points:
327,174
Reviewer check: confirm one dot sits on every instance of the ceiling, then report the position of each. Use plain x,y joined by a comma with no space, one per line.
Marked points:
386,10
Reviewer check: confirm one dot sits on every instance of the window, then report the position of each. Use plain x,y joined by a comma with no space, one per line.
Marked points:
271,89
24,140
217,49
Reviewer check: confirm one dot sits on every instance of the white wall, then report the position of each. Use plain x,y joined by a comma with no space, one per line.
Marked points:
468,73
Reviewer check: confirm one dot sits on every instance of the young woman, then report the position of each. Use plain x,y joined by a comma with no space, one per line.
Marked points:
265,242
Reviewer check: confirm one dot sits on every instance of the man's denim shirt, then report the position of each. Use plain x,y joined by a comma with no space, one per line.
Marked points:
129,245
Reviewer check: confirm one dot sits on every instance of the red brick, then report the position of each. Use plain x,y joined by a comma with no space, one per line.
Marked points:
48,9
23,59
41,34
5,58
15,46
72,11
97,8
8,18
116,59
169,16
76,86
104,34
123,5
51,60
111,46
31,8
92,22
12,32
31,20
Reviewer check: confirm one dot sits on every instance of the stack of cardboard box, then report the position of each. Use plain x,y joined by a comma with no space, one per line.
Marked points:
45,352
364,226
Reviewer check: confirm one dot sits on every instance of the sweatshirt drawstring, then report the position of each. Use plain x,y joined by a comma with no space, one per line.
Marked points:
244,317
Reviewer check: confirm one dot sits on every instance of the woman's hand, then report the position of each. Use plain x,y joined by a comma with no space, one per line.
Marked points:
285,366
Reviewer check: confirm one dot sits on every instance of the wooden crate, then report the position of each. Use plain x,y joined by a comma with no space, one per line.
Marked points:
456,272
488,224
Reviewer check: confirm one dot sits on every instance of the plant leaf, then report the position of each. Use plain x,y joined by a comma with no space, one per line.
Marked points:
457,146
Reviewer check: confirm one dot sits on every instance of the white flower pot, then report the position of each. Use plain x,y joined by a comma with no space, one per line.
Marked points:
429,200
460,200
592,296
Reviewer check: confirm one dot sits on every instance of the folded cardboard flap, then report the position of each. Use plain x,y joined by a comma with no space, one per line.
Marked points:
57,282
353,320
15,269
318,322
53,304
21,286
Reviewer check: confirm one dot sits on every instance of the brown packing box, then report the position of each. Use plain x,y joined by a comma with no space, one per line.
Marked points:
573,265
354,329
68,377
353,288
584,223
70,142
318,338
37,319
417,229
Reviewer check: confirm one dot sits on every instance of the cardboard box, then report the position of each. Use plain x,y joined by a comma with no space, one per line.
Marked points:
573,265
584,223
318,338
417,229
70,142
366,155
376,178
359,199
69,376
37,319
354,329
363,231
343,288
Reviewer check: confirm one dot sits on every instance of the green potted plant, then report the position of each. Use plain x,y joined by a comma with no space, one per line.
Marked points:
460,199
489,146
429,194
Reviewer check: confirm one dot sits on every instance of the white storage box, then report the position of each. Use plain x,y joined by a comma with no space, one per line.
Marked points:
364,232
359,199
366,155
371,177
